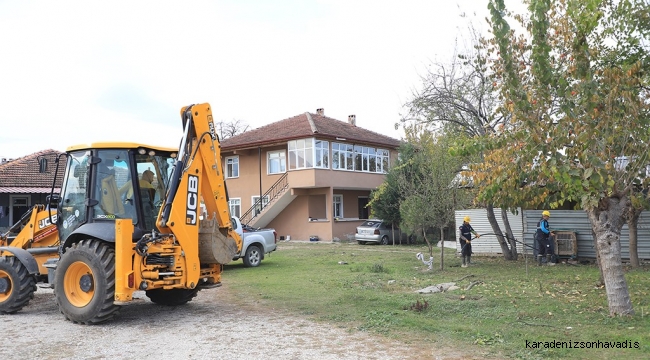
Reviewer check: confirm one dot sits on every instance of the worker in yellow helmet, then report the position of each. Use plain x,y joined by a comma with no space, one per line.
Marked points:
543,237
466,232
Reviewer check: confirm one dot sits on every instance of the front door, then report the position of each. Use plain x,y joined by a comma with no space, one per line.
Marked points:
363,210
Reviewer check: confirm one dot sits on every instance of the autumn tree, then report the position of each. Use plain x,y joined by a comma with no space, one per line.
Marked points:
575,85
460,98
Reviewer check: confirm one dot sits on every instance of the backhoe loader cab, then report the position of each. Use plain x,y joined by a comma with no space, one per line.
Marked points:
109,181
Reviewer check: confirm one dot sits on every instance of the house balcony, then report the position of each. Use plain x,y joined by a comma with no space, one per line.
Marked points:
306,182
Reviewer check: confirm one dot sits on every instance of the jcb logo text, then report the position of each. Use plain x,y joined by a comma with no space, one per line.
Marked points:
192,199
46,222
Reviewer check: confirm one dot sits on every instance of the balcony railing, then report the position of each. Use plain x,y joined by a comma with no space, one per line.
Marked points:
272,193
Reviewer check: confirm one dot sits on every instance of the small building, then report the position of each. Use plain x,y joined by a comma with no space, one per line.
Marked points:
23,184
308,176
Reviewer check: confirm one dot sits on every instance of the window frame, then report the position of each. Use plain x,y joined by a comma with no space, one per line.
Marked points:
226,172
321,153
337,199
265,201
282,159
309,155
231,205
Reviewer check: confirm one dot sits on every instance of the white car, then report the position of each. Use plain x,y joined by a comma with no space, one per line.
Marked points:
375,231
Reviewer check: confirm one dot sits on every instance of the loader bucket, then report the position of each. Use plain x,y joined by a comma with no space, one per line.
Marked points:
215,246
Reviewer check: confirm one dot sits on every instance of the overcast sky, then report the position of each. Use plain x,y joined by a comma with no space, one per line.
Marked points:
84,71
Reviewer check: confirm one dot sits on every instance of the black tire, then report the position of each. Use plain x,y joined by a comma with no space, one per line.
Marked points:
384,240
253,256
172,297
361,242
85,282
17,286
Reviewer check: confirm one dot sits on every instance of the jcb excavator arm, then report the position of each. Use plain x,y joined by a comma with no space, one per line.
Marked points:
197,176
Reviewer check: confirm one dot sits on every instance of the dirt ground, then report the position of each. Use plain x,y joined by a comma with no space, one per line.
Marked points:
209,327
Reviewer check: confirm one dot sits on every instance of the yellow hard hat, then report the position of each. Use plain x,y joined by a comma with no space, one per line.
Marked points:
466,219
546,213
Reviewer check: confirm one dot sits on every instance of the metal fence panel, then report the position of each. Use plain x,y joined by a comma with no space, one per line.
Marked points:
524,225
479,221
578,222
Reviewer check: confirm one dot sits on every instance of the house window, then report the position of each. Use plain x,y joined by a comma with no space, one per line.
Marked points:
235,207
321,153
342,156
337,206
258,206
232,167
359,158
277,162
301,154
381,161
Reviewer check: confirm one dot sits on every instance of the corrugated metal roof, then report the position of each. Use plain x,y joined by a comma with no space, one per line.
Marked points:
480,223
27,190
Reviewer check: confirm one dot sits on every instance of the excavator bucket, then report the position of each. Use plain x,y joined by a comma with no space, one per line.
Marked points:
215,246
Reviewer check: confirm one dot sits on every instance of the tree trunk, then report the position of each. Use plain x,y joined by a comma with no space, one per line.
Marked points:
632,222
601,280
607,221
497,231
511,236
442,249
424,235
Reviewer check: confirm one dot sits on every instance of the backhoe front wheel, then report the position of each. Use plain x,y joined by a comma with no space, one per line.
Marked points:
16,285
85,282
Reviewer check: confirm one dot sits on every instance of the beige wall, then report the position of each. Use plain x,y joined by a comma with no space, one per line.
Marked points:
317,207
338,178
247,184
294,221
341,229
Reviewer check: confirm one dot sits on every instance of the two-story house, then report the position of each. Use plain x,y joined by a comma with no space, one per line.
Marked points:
312,173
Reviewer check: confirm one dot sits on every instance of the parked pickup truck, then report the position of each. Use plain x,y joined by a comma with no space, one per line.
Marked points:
256,243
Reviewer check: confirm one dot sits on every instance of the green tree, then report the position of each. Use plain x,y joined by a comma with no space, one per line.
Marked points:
575,85
385,201
429,189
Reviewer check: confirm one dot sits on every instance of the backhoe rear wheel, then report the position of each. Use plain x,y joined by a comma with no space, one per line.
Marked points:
85,282
171,297
17,286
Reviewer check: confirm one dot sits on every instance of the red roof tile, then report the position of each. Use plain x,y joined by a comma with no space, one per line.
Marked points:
23,172
299,126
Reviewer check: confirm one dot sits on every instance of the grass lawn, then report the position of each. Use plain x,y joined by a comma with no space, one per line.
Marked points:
506,313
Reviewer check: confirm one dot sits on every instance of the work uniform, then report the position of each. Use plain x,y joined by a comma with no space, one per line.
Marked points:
466,231
543,237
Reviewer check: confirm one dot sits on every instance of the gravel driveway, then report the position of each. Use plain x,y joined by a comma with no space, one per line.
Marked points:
209,327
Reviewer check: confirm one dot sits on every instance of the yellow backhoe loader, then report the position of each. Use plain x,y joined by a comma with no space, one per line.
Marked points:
129,219
25,263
